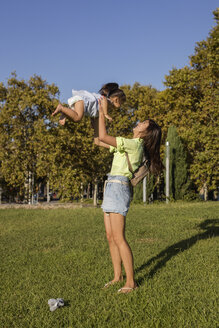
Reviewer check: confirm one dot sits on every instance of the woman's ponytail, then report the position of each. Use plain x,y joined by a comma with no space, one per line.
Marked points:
152,142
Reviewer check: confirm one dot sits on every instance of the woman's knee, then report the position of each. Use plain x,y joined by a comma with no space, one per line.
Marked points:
119,239
109,237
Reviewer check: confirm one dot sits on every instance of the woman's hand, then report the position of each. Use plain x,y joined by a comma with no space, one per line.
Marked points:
103,105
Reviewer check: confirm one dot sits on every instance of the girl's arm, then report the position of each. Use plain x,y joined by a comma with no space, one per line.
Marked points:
103,136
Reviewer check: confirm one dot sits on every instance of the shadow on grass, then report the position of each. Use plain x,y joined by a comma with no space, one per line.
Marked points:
211,229
67,303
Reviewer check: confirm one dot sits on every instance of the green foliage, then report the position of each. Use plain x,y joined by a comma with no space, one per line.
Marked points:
150,188
77,160
179,180
25,129
32,142
138,193
191,102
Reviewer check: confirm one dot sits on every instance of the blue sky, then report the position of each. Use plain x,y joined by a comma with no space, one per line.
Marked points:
86,43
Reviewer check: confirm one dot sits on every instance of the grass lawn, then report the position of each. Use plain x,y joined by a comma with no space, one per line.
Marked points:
64,253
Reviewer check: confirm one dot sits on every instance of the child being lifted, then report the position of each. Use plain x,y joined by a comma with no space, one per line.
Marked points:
85,103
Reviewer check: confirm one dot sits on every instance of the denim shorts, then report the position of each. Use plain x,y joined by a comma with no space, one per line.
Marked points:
117,195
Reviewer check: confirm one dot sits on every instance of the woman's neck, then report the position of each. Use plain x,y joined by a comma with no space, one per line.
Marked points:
136,134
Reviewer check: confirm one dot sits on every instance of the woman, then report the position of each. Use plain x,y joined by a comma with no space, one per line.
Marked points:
146,137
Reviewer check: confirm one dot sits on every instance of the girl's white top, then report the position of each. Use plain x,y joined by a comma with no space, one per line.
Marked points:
91,107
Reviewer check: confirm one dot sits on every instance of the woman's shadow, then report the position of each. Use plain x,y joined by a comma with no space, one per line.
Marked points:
211,229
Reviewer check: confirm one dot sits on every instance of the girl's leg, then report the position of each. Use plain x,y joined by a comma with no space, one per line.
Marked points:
114,251
75,114
118,230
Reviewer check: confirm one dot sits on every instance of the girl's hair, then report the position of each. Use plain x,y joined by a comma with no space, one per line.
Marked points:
152,142
112,90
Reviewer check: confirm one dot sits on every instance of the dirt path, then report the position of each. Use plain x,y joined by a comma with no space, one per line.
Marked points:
45,205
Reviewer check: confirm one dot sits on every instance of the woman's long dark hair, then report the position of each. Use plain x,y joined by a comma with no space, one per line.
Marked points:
152,142
112,90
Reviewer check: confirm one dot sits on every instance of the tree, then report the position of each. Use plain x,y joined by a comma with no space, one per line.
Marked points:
179,180
35,148
24,127
77,160
205,62
190,102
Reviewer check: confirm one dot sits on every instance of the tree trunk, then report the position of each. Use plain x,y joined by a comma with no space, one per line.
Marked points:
95,193
205,192
82,193
167,172
144,186
37,194
47,192
32,189
88,191
26,190
29,188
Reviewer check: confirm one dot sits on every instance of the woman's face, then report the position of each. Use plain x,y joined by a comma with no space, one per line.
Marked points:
141,127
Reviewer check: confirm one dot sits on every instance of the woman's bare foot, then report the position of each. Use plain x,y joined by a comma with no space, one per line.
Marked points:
58,110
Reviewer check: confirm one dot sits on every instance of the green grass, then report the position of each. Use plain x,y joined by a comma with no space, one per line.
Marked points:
63,253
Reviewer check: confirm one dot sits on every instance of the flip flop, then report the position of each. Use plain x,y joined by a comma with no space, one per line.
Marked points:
126,290
108,284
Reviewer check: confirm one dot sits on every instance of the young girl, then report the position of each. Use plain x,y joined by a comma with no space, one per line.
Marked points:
85,103
146,137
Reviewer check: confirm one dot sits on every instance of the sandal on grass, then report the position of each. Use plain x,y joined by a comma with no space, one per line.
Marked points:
126,290
108,284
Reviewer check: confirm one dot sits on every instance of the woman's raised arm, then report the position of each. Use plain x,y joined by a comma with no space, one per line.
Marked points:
103,136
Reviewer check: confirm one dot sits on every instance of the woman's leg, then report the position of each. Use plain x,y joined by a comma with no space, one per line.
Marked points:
118,230
114,251
75,114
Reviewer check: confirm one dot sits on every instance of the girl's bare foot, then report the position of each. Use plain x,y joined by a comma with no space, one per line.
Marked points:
62,119
58,110
62,122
